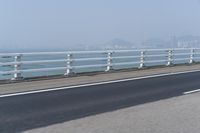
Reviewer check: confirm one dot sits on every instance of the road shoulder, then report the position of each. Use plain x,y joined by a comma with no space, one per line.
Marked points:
80,80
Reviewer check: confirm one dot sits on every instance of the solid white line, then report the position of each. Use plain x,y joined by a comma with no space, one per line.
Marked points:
190,92
93,84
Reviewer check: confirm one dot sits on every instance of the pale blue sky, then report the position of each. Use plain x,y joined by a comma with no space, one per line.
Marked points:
63,23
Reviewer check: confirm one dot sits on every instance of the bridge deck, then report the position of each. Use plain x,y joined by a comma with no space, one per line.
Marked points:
64,82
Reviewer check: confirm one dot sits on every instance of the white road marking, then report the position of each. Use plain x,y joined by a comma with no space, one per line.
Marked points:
190,92
93,84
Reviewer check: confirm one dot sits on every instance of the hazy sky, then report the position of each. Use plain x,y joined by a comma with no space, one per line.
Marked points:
62,23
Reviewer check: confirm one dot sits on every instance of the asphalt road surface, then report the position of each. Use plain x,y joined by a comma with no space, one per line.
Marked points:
26,112
173,115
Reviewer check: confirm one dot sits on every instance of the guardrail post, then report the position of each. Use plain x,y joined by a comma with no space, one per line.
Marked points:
191,56
17,75
109,61
69,62
170,56
142,59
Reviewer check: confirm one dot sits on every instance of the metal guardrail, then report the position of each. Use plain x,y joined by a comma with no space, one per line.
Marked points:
140,58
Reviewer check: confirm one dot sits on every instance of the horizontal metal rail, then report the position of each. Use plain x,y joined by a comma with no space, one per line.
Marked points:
91,52
18,64
182,54
125,57
125,63
33,70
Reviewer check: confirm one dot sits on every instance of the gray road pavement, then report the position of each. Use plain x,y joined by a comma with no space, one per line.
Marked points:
26,112
175,115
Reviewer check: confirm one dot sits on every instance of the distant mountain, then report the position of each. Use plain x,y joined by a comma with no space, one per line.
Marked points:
118,44
173,42
155,43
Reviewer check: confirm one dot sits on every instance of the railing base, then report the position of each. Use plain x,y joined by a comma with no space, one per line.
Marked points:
142,67
17,79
